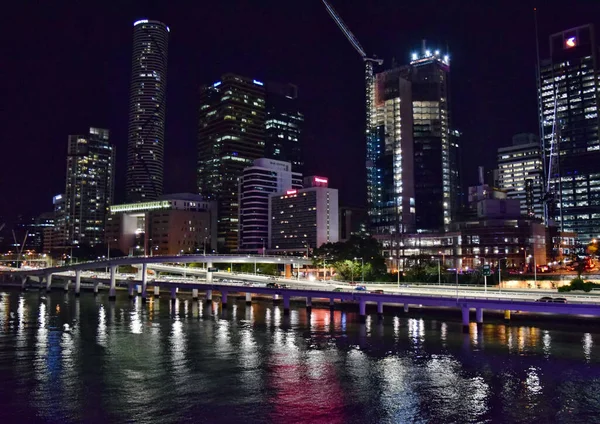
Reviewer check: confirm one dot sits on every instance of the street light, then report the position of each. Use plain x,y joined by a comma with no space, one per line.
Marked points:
439,271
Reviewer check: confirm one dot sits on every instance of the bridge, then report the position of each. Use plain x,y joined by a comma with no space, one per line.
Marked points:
252,284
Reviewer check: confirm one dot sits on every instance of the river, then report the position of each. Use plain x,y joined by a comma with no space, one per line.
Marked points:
187,362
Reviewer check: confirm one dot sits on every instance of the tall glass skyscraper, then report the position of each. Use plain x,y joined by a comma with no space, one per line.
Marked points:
569,98
89,187
147,106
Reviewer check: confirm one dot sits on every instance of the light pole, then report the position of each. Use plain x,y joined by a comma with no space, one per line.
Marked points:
439,271
534,270
352,271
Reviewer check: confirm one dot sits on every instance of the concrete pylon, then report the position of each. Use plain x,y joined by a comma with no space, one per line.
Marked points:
77,283
209,275
208,296
48,282
380,310
156,290
479,315
286,305
144,282
224,298
362,308
248,298
112,292
465,319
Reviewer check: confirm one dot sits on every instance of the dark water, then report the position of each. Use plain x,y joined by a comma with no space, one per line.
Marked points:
124,361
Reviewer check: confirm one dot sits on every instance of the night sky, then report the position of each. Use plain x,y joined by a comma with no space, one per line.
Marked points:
65,66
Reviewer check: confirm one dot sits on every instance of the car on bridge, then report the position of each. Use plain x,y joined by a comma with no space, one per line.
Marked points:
544,299
360,288
338,289
377,291
276,286
559,300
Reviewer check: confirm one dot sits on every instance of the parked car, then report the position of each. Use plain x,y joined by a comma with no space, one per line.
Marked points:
360,288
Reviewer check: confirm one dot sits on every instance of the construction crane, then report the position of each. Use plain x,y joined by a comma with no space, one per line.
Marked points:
369,78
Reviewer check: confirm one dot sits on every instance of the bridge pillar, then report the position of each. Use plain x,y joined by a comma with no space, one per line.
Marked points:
224,298
144,282
48,282
507,316
23,282
209,275
96,284
286,304
248,298
156,290
195,294
465,319
479,315
362,309
131,290
331,303
276,298
66,287
208,296
308,303
380,310
173,294
406,308
112,292
77,282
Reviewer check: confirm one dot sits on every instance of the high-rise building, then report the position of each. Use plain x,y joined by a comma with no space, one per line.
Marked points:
521,173
569,98
147,108
305,218
243,119
257,182
283,125
413,178
89,187
231,136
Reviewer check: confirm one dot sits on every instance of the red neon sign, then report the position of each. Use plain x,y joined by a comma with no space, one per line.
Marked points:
291,192
321,180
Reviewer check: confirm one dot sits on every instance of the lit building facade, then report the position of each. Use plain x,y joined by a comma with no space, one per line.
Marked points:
147,109
257,182
174,224
304,218
89,187
569,98
521,174
283,125
243,119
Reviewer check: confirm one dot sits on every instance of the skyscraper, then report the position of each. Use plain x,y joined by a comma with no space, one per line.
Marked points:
521,174
89,187
243,119
283,125
145,148
231,135
569,98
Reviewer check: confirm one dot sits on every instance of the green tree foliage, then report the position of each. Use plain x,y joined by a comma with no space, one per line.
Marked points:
345,258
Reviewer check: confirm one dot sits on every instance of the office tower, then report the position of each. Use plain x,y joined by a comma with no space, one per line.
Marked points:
243,119
456,187
569,97
283,126
390,188
521,173
231,135
265,176
304,218
147,108
434,192
89,187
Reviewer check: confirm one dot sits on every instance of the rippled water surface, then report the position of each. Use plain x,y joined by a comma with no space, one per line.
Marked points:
161,362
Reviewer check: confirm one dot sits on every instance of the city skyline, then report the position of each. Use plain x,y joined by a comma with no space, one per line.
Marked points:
327,127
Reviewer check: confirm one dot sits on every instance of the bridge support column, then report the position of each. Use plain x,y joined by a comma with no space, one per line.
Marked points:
96,285
479,315
23,282
286,305
156,290
362,309
66,286
77,283
131,290
173,294
248,298
406,308
465,319
112,292
276,298
208,296
48,282
331,303
144,282
507,316
309,304
380,310
195,294
224,298
209,275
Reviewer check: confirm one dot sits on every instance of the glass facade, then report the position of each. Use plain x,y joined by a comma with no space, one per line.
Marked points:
147,108
569,97
89,187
